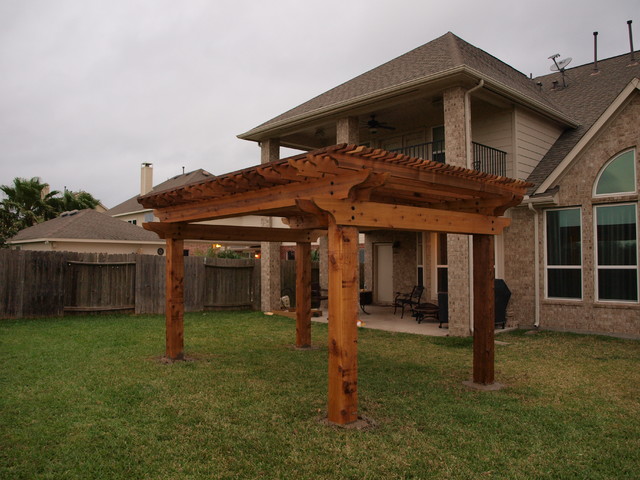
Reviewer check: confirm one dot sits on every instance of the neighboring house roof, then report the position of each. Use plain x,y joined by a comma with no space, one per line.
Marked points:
85,225
445,55
587,96
131,205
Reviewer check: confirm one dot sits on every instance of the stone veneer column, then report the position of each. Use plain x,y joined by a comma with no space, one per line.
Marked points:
347,130
269,251
458,252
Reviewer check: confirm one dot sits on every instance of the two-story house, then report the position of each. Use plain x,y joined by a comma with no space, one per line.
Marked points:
570,256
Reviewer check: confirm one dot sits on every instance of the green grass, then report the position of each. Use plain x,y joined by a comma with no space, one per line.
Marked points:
88,397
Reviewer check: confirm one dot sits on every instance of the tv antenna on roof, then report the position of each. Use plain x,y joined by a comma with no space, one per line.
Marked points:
560,65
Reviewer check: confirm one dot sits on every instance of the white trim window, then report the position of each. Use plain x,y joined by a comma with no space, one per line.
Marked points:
563,268
616,230
618,176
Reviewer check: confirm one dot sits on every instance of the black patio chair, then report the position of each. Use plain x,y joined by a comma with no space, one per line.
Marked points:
317,295
403,300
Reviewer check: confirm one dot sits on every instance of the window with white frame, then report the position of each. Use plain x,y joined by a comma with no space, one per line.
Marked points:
616,232
617,252
564,253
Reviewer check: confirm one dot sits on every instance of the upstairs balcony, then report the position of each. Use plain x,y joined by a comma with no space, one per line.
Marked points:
485,159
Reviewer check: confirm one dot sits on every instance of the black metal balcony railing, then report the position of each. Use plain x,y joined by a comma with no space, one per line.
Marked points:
485,159
428,151
489,160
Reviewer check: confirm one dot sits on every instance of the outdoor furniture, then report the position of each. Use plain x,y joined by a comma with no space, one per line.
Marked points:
317,295
425,310
443,308
366,298
502,296
403,300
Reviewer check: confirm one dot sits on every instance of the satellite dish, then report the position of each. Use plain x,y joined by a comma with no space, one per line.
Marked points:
559,66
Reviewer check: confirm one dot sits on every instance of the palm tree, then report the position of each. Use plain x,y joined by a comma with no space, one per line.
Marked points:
29,201
74,201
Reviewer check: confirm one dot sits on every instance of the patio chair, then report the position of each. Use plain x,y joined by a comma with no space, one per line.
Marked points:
423,311
317,295
403,300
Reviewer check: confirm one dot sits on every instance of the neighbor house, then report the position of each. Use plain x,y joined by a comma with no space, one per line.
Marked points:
87,231
570,256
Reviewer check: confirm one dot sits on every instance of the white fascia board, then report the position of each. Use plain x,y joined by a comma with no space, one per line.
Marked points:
87,240
136,212
591,133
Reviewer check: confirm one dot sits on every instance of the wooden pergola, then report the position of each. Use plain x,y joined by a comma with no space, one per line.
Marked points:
338,191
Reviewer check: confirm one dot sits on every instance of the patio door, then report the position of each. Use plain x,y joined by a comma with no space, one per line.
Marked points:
383,265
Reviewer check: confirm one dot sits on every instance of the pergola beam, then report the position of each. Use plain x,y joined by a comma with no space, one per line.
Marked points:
262,201
303,295
402,217
231,233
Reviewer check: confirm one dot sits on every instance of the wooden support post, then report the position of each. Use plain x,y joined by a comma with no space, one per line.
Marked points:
343,331
175,299
483,309
303,295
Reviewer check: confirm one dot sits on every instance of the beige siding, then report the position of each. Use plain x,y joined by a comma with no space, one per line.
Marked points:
534,136
494,130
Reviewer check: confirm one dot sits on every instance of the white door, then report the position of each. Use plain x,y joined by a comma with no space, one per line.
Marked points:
383,264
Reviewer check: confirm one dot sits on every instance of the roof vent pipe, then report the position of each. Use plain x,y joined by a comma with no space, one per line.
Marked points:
595,51
633,58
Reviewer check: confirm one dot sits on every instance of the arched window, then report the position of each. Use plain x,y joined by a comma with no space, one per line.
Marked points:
616,231
618,176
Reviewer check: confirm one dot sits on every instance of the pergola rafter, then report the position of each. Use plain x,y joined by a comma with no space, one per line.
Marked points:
340,190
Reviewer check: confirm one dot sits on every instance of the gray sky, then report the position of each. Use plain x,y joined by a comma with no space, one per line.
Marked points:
90,89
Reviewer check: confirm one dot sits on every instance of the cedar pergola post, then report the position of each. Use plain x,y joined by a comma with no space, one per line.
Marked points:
483,310
343,331
175,299
303,295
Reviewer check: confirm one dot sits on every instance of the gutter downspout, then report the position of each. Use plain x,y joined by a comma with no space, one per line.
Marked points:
467,121
536,250
467,136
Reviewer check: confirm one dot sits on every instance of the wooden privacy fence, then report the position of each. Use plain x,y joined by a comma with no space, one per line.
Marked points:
58,283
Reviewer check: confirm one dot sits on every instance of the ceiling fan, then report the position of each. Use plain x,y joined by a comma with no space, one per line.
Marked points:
374,125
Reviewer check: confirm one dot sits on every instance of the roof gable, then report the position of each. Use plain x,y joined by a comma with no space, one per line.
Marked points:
588,97
443,55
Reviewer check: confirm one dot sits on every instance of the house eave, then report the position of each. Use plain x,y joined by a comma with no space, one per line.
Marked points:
83,240
452,75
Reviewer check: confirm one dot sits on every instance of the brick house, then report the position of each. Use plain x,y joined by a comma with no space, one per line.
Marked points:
570,256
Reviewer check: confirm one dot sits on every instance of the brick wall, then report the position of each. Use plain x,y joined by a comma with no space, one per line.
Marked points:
576,186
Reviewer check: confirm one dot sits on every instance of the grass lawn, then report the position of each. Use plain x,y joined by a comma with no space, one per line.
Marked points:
88,397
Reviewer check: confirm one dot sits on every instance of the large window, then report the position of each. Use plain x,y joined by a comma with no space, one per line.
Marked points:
564,253
616,231
617,252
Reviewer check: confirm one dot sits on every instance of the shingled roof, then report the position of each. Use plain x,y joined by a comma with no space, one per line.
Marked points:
586,97
85,225
131,205
447,54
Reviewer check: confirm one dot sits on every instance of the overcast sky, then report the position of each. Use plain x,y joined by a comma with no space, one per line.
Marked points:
90,89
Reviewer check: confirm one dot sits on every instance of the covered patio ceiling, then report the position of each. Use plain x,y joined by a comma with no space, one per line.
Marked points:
339,191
